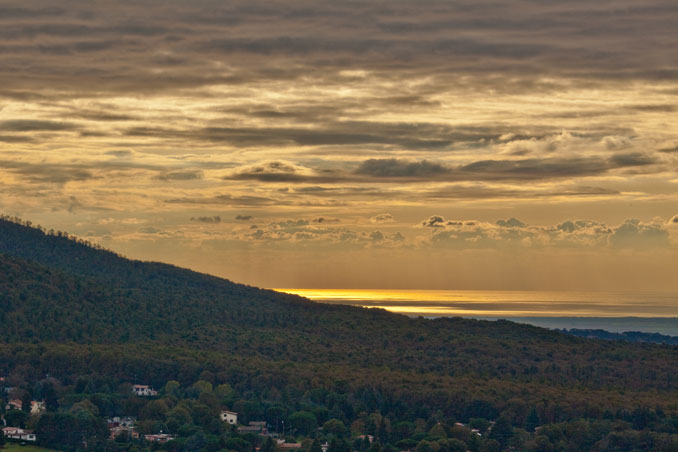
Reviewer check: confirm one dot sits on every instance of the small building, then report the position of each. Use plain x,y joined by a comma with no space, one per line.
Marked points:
230,417
325,446
37,406
121,421
125,432
14,404
144,391
290,446
159,438
19,433
256,427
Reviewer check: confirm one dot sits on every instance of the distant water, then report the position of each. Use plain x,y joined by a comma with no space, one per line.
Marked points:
652,312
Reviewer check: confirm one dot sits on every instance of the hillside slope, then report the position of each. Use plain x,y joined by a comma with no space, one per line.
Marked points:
139,318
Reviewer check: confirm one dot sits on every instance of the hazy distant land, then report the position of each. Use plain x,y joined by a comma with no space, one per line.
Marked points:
618,312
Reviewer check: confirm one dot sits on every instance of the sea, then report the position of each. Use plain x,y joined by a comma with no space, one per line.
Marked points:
649,312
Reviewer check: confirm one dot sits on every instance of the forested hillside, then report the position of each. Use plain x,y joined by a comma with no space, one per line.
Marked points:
73,311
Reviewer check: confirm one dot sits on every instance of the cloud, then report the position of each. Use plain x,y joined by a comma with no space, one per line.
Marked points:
275,171
230,200
121,153
382,218
511,223
180,175
548,168
568,234
46,172
33,125
399,168
434,222
326,220
214,219
633,233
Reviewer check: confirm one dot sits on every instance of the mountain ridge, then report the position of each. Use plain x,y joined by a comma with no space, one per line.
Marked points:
68,298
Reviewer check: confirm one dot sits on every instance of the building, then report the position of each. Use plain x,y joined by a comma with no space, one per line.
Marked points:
120,426
19,433
14,404
144,391
117,421
230,417
37,406
257,427
159,438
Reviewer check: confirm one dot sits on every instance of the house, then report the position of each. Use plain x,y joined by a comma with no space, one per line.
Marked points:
120,426
290,446
159,438
117,421
14,404
325,446
37,406
370,438
258,427
19,433
230,417
144,391
126,432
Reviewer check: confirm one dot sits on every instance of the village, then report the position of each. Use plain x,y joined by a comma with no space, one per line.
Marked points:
179,419
125,427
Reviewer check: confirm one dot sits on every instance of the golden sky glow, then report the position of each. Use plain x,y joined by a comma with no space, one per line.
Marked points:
502,303
381,144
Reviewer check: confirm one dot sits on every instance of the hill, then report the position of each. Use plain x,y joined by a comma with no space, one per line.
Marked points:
71,309
630,336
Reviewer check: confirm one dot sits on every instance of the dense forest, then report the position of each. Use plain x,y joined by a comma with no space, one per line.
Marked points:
81,324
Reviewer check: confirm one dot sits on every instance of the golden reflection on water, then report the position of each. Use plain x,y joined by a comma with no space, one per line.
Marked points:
502,303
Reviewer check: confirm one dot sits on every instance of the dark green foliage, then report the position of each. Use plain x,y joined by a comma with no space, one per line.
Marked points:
502,431
26,402
532,421
339,445
95,323
16,418
304,422
68,431
315,446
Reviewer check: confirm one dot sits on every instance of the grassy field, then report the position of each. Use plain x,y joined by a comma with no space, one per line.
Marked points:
18,448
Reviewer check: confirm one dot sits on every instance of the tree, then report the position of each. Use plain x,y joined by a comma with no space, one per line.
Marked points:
269,446
16,418
26,400
315,446
172,387
502,430
304,422
339,445
51,402
532,421
335,427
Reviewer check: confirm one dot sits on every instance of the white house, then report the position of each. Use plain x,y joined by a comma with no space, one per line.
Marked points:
19,433
230,417
144,391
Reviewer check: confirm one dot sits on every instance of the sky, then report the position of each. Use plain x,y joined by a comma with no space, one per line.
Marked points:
467,144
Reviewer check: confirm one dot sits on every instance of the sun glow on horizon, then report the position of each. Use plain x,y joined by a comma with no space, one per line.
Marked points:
501,303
